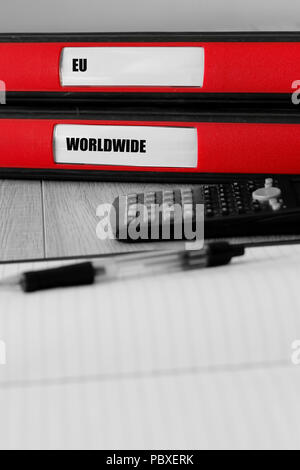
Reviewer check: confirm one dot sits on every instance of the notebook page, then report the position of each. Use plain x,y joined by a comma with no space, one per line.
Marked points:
247,409
235,316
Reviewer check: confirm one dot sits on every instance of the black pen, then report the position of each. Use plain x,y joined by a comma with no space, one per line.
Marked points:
126,266
136,265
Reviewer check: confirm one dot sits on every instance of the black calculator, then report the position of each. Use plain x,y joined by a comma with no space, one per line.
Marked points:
242,207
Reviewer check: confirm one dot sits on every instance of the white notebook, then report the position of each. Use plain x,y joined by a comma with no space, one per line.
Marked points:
127,344
245,313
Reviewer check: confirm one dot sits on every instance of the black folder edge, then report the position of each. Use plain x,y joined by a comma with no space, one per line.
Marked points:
215,99
172,114
128,177
217,36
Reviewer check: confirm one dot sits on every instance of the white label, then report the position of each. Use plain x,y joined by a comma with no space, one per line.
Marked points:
140,146
132,66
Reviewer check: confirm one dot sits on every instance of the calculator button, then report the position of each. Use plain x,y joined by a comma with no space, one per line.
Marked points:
187,195
149,198
140,199
168,197
187,201
177,196
265,194
132,199
269,182
159,198
256,207
275,204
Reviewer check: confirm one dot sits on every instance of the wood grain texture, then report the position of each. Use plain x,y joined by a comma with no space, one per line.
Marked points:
71,220
58,219
21,220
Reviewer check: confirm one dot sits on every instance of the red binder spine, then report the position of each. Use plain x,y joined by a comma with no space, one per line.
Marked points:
222,147
230,67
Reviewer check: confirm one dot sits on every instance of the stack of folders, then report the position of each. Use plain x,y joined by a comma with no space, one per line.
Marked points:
160,106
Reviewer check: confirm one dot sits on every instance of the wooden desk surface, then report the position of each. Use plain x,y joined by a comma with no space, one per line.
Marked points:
56,219
42,219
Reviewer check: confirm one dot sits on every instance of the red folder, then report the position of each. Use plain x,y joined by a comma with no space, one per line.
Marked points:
236,65
188,146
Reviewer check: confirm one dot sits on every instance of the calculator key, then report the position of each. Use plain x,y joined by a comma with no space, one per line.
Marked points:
187,194
168,197
132,197
159,198
275,204
269,182
177,196
141,198
209,212
168,200
187,201
150,198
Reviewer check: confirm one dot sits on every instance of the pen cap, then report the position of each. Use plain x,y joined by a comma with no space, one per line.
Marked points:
221,253
66,276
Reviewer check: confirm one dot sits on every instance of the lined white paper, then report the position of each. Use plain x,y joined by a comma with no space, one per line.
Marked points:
247,409
213,345
246,313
